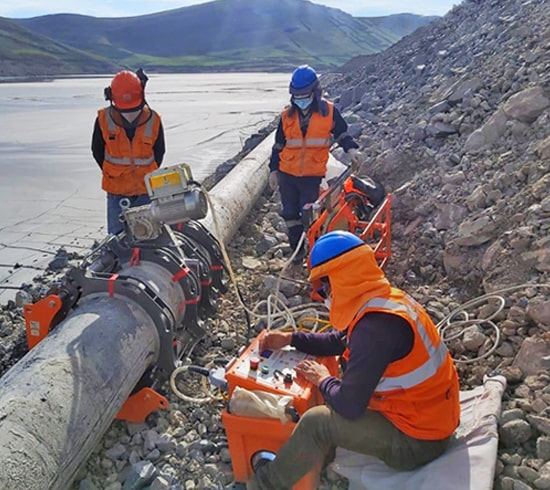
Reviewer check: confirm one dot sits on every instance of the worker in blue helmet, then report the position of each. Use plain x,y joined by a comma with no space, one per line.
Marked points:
298,163
398,397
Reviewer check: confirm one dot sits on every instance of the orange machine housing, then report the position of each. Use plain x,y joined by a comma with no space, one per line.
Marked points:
265,371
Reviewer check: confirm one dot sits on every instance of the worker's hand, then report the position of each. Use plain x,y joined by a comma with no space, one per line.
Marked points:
274,180
275,339
313,371
357,159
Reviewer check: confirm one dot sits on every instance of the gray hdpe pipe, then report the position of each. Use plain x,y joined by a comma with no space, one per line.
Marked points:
57,402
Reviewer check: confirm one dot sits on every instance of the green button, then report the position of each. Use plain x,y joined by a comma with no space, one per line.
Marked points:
265,370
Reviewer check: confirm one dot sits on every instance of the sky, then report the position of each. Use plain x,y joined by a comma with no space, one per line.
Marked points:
128,8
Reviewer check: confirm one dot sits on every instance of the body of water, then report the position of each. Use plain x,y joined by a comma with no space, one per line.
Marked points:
45,156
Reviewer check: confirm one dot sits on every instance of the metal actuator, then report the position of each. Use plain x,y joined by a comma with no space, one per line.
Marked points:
175,198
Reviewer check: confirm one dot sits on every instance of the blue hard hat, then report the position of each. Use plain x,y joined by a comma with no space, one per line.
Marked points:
331,245
304,81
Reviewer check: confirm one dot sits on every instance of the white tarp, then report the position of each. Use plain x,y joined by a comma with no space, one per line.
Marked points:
468,463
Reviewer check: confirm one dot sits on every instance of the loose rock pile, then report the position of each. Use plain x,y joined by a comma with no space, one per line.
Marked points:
455,121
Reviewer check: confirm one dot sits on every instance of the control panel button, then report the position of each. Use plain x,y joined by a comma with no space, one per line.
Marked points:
254,362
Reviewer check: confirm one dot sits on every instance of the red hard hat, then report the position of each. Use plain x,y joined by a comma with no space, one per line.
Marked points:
126,90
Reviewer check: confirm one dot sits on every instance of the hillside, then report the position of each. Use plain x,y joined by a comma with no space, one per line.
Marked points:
399,24
24,53
268,35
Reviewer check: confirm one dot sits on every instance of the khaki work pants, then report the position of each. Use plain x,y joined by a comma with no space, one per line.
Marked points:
321,430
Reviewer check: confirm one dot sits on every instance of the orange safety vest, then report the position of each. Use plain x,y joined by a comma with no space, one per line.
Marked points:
419,394
127,162
306,156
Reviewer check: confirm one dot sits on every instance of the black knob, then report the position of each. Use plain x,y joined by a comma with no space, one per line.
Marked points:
288,378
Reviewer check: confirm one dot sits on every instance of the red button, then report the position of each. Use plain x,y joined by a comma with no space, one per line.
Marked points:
254,363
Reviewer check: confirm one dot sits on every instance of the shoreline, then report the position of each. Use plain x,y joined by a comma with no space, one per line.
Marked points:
50,78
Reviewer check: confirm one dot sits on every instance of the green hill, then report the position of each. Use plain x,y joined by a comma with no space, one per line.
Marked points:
223,35
24,53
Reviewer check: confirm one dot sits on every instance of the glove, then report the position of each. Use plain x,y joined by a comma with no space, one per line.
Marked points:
357,159
274,180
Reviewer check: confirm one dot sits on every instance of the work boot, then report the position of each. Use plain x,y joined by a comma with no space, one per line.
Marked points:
258,460
261,458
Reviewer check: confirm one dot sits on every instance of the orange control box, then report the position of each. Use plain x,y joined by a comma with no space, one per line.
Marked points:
271,371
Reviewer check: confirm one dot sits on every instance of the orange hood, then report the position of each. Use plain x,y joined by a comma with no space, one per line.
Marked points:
355,278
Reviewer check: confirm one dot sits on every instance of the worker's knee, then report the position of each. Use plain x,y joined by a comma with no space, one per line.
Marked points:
315,419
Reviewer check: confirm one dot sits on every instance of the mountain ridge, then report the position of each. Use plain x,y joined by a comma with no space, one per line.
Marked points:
20,47
222,35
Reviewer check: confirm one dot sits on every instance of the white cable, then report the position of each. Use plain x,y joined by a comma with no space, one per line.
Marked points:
463,325
276,309
210,397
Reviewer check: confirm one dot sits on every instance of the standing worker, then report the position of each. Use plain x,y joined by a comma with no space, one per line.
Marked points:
299,157
398,399
127,144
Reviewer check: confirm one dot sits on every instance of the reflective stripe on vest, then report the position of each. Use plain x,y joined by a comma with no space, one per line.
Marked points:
309,142
148,133
437,355
306,154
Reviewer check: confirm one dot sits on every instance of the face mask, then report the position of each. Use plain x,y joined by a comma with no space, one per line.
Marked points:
303,104
131,116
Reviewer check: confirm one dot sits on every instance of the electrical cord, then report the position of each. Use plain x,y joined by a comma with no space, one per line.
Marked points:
279,316
205,388
461,326
276,310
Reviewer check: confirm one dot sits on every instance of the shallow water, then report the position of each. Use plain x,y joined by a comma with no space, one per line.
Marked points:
45,155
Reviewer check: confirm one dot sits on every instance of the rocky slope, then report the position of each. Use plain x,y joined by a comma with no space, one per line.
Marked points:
455,120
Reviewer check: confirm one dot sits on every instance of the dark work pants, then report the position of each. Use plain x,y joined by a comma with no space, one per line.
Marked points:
114,209
321,430
296,192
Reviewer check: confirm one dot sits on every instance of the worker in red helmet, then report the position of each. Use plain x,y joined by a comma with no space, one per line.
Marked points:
298,163
398,398
127,144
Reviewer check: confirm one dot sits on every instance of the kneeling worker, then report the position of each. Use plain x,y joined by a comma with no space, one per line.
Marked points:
398,399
